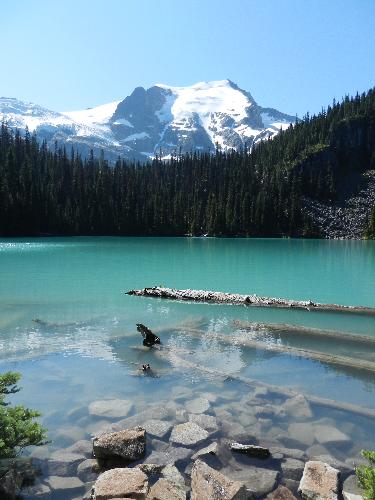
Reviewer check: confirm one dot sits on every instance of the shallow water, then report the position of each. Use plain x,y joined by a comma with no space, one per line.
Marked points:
84,346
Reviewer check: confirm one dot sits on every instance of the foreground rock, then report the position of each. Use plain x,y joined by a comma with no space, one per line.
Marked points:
320,481
259,480
129,444
188,434
165,490
281,493
121,483
250,449
209,484
110,408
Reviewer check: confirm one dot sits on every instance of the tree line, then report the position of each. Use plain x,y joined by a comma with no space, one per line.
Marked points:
245,193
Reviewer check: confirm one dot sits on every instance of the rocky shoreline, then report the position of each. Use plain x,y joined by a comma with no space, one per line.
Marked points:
248,300
204,447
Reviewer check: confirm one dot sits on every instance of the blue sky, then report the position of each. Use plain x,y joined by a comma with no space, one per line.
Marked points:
292,55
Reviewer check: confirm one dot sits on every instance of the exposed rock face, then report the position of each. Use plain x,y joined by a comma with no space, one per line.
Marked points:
188,434
121,483
347,218
165,490
209,484
111,408
250,449
160,117
281,493
129,444
320,481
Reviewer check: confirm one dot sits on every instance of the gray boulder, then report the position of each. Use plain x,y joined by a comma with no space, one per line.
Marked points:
121,483
320,481
209,484
165,490
129,444
188,434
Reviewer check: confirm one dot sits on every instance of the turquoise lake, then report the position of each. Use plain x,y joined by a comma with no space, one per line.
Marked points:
84,345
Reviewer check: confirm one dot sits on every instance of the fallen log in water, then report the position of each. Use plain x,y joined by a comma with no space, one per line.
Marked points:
298,330
332,359
249,300
181,363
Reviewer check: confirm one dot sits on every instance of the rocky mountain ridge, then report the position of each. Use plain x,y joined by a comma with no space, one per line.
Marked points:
159,120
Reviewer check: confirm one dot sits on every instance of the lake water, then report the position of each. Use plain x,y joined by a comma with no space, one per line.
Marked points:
85,347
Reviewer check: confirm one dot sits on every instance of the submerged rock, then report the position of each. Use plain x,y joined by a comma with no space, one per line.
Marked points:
301,433
198,405
297,407
259,481
170,455
188,434
158,428
58,483
39,490
129,444
292,468
209,484
207,422
211,449
88,470
351,487
326,435
110,408
250,449
320,481
121,483
82,447
64,463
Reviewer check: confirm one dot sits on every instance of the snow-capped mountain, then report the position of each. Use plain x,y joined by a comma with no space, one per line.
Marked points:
160,119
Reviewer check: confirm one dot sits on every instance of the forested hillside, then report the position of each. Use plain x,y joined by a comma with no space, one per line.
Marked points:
271,191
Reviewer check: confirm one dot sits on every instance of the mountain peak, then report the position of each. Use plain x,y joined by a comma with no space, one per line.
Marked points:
162,117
